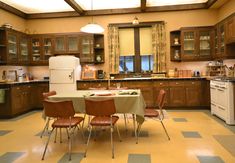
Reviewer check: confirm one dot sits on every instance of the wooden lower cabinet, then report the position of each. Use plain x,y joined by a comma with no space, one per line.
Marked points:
193,93
20,98
179,93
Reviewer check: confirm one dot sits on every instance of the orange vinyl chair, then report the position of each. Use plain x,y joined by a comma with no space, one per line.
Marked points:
157,115
103,116
64,112
48,119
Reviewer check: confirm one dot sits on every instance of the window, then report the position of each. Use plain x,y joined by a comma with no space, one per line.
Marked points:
135,50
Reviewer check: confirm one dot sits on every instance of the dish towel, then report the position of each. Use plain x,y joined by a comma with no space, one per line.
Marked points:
2,96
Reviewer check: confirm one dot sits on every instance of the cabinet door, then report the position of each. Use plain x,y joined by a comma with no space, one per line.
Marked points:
188,45
73,44
193,93
60,44
23,49
216,42
205,44
87,54
17,100
230,37
36,49
221,36
12,47
177,93
47,48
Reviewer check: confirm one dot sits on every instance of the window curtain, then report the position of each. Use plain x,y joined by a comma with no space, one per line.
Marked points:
159,47
114,49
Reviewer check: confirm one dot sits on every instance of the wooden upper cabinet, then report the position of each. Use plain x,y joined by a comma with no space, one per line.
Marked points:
67,44
196,43
230,29
87,48
23,56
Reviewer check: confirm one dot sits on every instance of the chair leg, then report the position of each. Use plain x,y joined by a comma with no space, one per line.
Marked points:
47,144
111,134
55,135
83,136
60,136
125,120
45,127
118,133
67,132
88,140
70,141
165,130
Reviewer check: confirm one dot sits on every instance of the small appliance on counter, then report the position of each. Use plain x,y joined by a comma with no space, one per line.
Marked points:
100,74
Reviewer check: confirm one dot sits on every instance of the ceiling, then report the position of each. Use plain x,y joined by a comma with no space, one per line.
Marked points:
64,8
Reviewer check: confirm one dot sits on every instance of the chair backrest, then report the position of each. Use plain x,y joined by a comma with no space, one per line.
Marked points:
100,107
161,98
58,109
47,94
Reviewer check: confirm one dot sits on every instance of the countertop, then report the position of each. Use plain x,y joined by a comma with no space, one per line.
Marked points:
23,82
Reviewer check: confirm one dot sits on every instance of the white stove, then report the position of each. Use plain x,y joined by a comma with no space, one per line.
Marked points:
222,100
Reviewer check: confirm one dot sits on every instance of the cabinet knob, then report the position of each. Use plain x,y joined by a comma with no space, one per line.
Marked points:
176,83
161,83
193,83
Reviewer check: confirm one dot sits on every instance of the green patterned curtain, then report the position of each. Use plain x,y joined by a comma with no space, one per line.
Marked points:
114,49
159,47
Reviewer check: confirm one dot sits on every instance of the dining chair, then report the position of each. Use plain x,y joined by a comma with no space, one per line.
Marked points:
103,111
45,96
156,114
64,113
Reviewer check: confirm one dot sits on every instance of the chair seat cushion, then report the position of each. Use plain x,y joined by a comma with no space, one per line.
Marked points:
103,121
66,122
151,113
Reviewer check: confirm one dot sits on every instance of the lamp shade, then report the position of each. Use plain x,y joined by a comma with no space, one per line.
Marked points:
92,28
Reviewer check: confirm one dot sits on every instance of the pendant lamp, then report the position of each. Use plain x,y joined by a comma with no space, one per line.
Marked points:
92,27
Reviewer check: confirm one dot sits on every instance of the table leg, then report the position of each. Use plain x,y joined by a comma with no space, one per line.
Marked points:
134,123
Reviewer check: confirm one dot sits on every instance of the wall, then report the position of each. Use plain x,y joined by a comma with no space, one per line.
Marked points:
17,22
174,20
226,10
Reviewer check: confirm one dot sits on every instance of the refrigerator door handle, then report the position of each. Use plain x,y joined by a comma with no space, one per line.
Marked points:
71,76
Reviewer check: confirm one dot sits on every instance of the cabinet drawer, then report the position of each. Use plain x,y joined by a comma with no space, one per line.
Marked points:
161,84
176,83
192,83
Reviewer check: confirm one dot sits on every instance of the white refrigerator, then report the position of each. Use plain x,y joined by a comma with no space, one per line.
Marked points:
64,72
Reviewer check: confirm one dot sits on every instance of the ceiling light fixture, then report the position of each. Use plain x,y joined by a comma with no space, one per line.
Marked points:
92,27
135,21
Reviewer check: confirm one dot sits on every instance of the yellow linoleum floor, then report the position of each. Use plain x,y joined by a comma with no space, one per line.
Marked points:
179,149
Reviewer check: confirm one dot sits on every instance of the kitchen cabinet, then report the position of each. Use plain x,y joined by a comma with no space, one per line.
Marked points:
23,57
175,45
230,29
67,44
20,96
37,97
92,48
193,93
177,94
13,47
41,49
196,43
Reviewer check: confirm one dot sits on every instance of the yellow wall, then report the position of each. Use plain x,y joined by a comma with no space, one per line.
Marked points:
226,10
17,22
174,20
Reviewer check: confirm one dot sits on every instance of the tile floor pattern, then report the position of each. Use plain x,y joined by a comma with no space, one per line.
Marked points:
23,146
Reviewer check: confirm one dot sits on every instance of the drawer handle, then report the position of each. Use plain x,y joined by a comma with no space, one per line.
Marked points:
176,83
221,90
161,83
213,104
193,82
221,108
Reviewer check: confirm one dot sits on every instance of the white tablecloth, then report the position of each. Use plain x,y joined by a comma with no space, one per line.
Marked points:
127,103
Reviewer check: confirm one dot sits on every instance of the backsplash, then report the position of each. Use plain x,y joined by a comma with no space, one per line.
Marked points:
10,69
